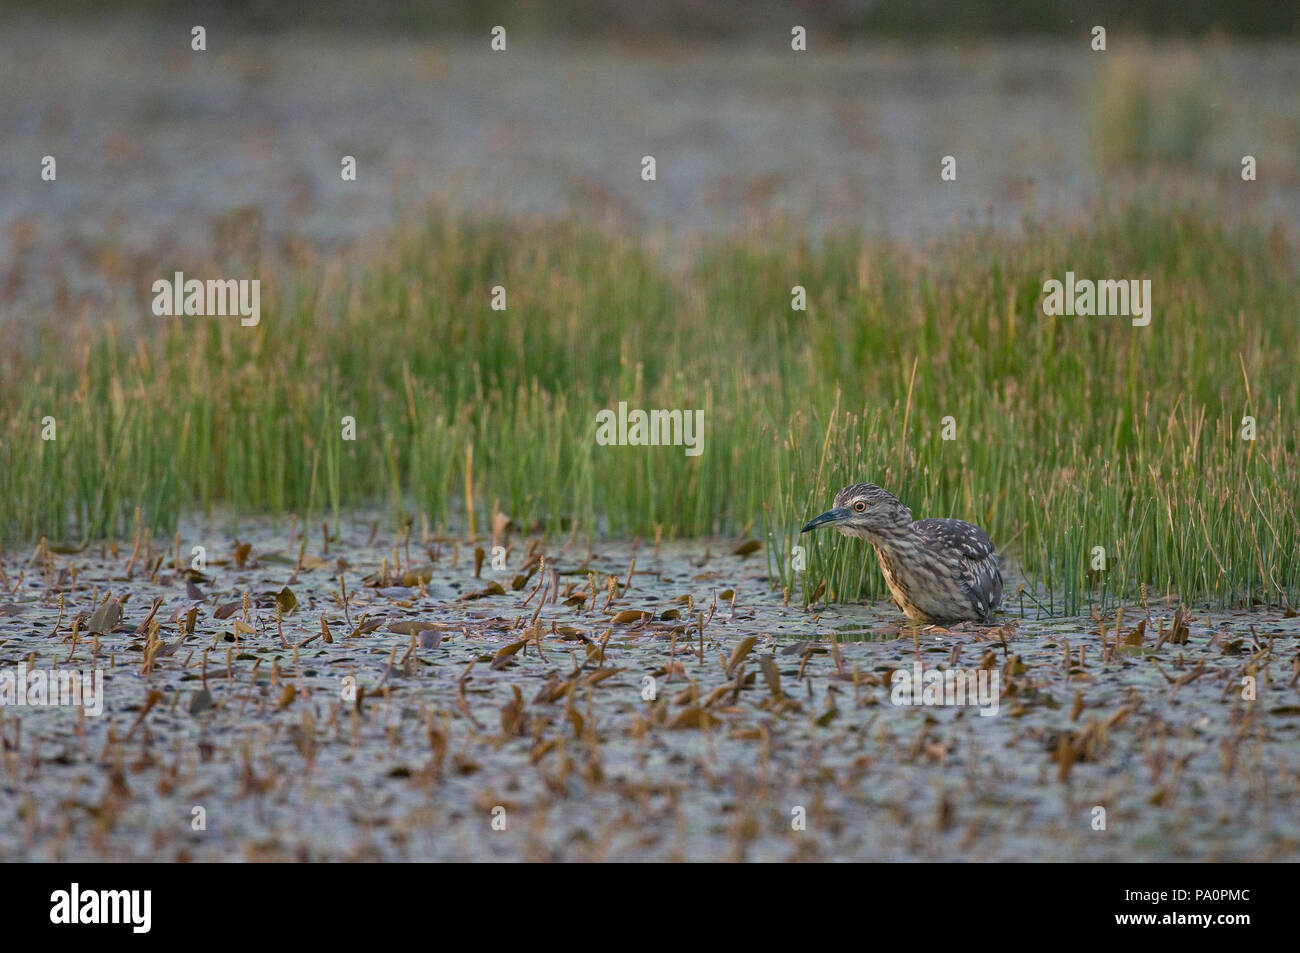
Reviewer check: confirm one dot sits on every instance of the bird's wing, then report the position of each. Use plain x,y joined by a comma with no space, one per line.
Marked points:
974,553
966,538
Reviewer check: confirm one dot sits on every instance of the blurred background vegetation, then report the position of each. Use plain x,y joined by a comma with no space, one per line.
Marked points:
713,19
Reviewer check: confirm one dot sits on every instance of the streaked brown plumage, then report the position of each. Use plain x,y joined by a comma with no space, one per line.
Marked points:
937,570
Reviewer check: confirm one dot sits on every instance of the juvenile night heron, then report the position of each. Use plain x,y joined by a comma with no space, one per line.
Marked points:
937,570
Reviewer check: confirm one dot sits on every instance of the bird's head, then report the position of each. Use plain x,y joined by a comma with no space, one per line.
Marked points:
864,510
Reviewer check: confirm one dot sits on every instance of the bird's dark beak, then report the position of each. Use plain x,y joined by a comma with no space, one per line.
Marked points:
837,515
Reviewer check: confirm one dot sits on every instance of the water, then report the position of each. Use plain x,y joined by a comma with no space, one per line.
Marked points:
560,738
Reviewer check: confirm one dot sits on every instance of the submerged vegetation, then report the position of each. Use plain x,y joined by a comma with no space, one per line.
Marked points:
1069,433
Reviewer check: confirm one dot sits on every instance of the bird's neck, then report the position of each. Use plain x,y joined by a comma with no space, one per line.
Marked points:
888,537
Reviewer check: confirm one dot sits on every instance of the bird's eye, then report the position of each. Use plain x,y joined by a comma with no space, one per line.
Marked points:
860,506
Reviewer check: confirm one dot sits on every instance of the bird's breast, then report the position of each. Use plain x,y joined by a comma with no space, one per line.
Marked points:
924,586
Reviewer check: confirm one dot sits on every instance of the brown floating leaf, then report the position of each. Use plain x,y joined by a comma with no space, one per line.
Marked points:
491,589
1135,637
630,615
506,653
429,638
513,720
411,626
200,701
600,674
1118,718
241,554
770,674
693,717
106,618
414,577
747,548
286,600
542,749
227,609
193,592
287,696
720,692
740,651
147,624
1065,758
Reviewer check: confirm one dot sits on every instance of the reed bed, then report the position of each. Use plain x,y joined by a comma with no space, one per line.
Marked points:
1071,433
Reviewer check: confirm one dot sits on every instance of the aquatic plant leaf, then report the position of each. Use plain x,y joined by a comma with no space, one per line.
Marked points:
505,655
105,618
227,609
740,651
286,601
628,616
